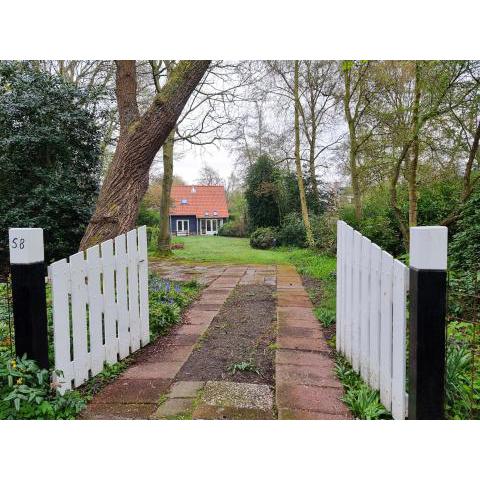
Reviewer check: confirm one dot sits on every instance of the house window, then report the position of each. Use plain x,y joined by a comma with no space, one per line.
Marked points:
215,213
182,227
184,201
206,214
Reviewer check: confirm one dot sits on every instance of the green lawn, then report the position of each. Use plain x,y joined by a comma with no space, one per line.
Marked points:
227,250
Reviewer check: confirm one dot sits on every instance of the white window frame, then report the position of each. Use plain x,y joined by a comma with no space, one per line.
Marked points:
183,231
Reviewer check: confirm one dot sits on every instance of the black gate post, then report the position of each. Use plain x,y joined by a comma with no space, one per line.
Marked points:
428,300
28,293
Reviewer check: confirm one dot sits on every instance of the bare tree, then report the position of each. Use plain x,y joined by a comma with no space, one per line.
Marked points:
355,104
209,176
301,187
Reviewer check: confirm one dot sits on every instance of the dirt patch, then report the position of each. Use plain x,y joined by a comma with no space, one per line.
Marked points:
239,345
314,288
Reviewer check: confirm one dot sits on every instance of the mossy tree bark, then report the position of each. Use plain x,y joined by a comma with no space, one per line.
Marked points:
141,137
301,187
163,243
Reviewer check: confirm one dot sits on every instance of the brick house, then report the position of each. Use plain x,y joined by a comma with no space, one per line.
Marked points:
197,209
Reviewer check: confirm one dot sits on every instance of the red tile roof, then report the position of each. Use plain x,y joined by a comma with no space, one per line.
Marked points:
200,199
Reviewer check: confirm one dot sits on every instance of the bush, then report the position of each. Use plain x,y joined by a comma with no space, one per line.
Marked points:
324,229
465,247
26,392
234,228
148,216
437,198
263,238
50,158
292,231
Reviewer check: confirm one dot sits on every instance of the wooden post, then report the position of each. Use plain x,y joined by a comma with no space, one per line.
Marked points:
428,294
28,293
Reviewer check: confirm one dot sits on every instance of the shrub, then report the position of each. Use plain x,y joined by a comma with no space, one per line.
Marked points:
465,247
457,381
324,228
292,231
235,228
148,216
263,238
50,158
26,392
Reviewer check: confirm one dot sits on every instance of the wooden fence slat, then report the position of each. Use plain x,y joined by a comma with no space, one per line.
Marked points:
365,307
386,331
60,278
143,285
121,262
356,295
343,289
348,293
338,304
95,309
79,318
110,311
399,327
133,304
374,323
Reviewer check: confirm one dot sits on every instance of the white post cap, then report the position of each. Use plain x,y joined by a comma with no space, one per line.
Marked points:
428,248
26,245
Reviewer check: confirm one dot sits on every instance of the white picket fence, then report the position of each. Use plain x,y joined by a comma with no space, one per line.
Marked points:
371,315
100,306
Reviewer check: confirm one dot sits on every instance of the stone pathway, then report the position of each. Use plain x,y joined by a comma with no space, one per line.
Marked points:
135,394
306,387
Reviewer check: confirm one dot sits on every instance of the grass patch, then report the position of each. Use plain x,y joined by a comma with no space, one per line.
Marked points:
217,249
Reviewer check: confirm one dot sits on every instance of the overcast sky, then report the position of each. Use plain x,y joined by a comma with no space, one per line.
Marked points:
189,159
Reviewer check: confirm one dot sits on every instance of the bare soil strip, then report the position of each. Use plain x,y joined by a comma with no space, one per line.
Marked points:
239,345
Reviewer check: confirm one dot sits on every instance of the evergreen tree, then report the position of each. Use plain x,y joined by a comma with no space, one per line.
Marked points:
261,194
49,158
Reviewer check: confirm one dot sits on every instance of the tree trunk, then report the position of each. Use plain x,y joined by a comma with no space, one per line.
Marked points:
140,139
311,159
357,201
163,244
413,164
301,187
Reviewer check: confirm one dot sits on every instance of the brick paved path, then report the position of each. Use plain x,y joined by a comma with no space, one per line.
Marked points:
306,387
136,392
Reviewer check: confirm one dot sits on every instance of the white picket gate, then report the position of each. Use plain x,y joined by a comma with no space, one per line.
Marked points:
100,306
371,315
